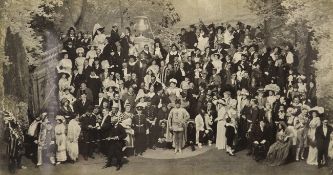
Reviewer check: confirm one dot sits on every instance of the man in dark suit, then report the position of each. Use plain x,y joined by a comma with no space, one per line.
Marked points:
114,37
115,138
157,85
255,112
146,55
88,129
101,99
77,79
81,106
323,133
86,90
260,138
208,67
117,102
191,38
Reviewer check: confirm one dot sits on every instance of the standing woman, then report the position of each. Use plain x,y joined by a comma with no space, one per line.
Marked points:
99,38
74,130
314,123
79,61
177,124
220,134
60,138
219,38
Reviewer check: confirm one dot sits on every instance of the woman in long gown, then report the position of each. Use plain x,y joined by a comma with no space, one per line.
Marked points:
99,37
279,151
221,140
60,138
313,152
74,130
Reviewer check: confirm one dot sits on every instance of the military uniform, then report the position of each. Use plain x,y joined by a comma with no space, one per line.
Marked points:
151,124
140,127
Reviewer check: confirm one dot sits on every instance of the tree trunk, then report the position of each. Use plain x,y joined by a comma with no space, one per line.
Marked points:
2,57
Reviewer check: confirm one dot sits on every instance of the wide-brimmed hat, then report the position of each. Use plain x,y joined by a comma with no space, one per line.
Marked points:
221,101
63,51
227,92
317,109
163,121
79,50
172,80
63,100
97,27
61,73
61,118
272,87
245,92
260,90
140,105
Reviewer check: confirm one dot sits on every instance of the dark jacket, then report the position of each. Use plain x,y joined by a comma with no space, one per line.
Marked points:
322,140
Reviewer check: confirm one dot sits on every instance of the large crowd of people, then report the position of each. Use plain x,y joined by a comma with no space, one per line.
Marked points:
216,85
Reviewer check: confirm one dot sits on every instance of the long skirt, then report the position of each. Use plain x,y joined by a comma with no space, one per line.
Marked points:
61,148
220,135
178,139
278,153
312,156
73,150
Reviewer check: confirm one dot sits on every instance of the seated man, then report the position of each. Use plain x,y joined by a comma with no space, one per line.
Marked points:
161,134
191,133
260,137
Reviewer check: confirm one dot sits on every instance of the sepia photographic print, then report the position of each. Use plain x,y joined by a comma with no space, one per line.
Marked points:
159,87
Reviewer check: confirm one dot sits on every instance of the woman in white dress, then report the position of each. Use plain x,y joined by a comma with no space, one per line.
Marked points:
99,38
74,130
65,64
60,138
64,82
202,41
221,140
313,152
79,61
